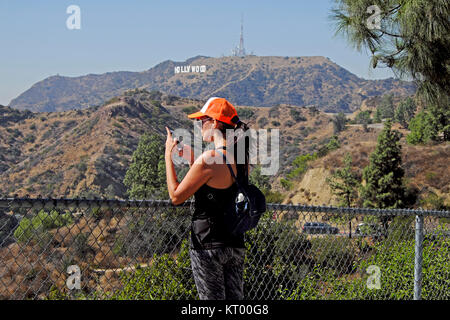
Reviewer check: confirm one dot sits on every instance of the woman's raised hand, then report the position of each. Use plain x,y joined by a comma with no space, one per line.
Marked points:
170,142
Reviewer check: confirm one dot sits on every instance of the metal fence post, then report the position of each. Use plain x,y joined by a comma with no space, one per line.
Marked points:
418,257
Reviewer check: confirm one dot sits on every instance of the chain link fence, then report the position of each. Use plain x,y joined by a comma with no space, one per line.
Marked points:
116,249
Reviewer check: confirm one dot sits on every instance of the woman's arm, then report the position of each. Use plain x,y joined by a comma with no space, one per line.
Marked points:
187,154
198,174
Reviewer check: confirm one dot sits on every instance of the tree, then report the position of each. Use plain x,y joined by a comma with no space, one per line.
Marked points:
441,118
258,179
383,177
405,112
377,116
263,183
339,122
422,129
363,117
344,184
146,178
408,36
386,107
333,144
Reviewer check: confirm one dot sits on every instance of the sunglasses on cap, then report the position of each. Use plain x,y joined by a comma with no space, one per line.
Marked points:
206,119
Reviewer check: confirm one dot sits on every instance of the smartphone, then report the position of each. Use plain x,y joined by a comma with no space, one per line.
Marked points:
179,143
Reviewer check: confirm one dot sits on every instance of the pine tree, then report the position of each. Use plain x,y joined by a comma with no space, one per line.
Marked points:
383,176
146,177
411,37
405,112
344,184
387,106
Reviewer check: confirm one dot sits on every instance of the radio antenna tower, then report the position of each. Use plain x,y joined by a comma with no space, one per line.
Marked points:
240,50
241,41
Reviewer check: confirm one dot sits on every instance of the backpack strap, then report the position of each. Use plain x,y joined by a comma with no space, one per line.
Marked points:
229,167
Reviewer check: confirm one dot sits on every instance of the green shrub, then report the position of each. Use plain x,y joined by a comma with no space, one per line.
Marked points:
262,122
396,262
190,109
245,113
80,246
275,123
331,145
286,184
432,201
35,228
30,138
273,196
166,278
297,115
153,234
275,259
363,117
401,228
117,125
334,253
300,164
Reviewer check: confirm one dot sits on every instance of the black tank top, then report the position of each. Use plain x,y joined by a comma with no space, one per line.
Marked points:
208,224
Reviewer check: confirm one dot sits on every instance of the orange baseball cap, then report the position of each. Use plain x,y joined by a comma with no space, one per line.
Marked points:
219,109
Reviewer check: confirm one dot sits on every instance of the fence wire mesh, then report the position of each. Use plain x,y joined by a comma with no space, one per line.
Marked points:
115,249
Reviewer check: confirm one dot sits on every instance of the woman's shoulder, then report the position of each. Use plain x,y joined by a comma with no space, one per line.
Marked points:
211,157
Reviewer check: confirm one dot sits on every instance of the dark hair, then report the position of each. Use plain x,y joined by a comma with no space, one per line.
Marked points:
242,168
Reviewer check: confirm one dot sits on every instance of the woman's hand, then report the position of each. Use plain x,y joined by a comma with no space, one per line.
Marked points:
170,143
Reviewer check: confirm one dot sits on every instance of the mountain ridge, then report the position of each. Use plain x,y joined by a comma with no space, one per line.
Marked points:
251,80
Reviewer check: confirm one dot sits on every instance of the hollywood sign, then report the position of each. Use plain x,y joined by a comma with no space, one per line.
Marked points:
186,69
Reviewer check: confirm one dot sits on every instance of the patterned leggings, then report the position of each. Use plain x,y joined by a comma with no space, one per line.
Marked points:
218,273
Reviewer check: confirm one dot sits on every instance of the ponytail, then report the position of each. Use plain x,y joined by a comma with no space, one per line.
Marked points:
242,168
239,133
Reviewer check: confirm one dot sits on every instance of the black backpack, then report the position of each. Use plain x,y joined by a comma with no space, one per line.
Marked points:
246,207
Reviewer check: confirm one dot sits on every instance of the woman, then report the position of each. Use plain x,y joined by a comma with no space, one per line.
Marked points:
217,258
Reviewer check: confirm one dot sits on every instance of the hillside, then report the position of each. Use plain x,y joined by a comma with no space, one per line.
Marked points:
73,152
250,80
426,168
87,152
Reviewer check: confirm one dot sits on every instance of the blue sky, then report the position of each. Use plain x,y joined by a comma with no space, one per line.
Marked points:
136,35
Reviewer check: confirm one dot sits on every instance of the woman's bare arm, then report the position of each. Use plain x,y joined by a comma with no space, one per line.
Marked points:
198,174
